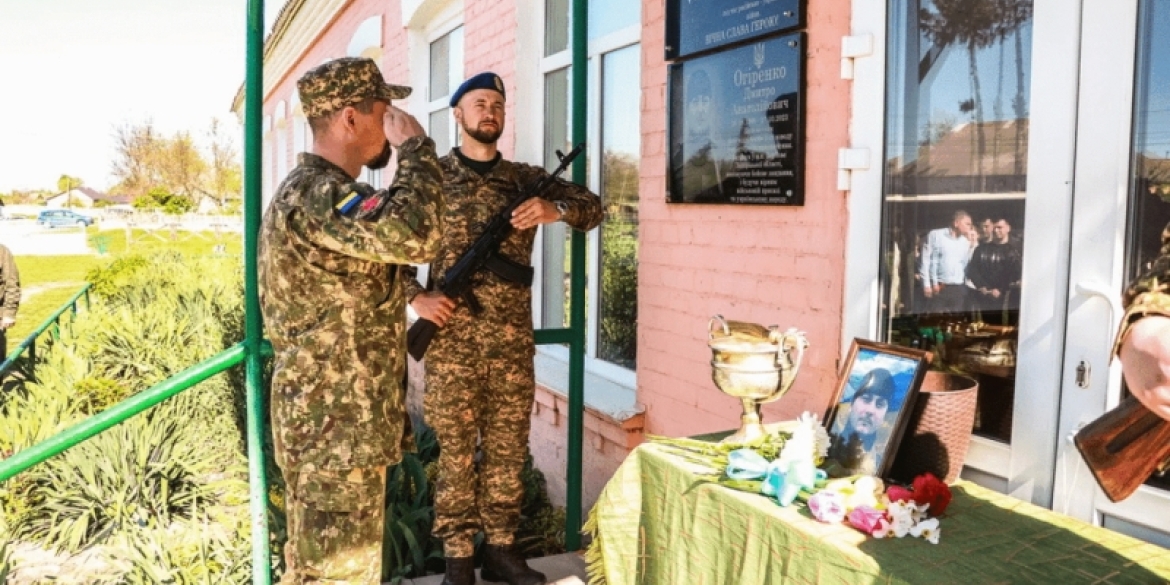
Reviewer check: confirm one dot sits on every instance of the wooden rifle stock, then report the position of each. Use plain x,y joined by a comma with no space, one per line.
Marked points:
1124,447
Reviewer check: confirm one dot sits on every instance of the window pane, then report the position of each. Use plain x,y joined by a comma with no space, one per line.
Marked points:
955,180
555,291
621,150
606,16
440,67
556,26
440,130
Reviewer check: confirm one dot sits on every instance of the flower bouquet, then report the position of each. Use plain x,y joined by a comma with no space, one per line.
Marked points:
784,464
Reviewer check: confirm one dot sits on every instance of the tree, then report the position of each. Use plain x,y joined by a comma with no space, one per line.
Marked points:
224,178
973,24
146,161
65,184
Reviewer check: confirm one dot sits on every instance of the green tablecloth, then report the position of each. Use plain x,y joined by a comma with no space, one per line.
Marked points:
656,523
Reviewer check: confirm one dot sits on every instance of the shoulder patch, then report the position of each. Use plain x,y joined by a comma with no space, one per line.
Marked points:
347,203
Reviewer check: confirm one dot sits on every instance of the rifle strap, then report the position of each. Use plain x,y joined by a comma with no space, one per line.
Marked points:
508,270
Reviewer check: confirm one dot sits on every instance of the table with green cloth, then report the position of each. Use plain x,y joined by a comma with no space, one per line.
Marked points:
656,522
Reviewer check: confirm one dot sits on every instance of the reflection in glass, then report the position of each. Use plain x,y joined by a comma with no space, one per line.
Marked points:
955,182
1149,195
621,145
555,292
440,130
606,16
556,26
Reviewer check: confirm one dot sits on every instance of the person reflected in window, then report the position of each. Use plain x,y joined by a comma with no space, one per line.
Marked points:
854,443
994,273
986,230
942,267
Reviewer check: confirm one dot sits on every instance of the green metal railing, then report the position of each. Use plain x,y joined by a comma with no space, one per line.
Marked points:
52,326
254,348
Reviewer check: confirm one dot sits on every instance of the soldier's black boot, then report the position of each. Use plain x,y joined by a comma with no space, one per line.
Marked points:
460,571
501,563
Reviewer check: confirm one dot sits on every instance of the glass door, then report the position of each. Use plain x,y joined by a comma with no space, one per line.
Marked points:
1121,194
958,184
1026,180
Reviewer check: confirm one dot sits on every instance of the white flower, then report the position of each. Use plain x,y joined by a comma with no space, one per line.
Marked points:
918,512
884,529
901,520
821,438
802,445
928,530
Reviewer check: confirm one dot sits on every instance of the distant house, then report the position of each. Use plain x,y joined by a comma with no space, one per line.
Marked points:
85,197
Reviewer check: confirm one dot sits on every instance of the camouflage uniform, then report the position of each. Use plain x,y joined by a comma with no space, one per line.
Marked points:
9,293
479,369
332,298
1149,294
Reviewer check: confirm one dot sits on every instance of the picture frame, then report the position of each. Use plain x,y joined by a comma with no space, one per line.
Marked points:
871,406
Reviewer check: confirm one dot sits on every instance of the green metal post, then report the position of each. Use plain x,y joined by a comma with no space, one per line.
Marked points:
253,106
573,475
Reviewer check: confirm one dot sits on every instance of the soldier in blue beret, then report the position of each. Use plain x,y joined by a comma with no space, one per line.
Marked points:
479,368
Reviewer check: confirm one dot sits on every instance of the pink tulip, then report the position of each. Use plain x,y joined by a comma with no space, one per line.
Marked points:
866,519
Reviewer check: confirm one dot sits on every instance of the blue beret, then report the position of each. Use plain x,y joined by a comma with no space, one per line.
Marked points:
485,80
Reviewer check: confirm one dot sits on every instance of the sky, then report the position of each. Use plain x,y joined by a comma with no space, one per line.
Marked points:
75,70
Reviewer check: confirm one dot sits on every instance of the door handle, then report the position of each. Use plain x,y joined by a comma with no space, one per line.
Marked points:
1093,289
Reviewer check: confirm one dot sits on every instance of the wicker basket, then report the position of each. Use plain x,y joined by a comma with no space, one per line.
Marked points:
939,430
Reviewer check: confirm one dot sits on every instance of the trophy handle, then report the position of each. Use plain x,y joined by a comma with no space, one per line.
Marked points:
792,345
711,326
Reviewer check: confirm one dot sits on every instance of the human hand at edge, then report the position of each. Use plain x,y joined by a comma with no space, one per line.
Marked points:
7,322
1145,363
433,306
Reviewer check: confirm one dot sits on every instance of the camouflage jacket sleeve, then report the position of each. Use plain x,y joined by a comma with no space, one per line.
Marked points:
1149,294
11,282
584,208
409,228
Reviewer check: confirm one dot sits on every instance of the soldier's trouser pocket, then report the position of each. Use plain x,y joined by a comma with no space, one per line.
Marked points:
335,524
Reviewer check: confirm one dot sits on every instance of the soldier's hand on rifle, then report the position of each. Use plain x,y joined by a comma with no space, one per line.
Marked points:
1145,363
433,306
400,126
534,212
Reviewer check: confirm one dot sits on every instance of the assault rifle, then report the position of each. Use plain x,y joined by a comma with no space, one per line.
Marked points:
1124,447
457,283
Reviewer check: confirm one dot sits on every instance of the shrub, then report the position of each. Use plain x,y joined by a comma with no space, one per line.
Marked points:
140,473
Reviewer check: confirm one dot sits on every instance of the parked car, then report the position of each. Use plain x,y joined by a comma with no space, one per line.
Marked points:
63,217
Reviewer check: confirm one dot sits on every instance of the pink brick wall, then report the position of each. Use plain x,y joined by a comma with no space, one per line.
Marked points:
489,40
771,265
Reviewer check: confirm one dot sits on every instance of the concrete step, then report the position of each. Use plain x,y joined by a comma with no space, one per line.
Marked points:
563,569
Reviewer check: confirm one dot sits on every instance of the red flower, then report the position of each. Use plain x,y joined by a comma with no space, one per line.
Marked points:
926,489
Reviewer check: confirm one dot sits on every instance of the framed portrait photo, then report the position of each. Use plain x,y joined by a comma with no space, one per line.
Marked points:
870,409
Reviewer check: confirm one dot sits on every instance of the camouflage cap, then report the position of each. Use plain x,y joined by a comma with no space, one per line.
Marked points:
343,82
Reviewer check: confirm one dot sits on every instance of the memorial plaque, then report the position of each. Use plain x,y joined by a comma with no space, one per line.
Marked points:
694,26
736,125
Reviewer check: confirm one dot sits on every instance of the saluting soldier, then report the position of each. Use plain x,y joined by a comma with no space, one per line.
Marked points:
479,368
332,298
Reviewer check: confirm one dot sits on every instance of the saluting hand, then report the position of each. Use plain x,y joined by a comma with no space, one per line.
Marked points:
534,212
433,306
400,126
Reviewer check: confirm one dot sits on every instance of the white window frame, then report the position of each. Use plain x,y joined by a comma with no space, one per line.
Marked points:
615,383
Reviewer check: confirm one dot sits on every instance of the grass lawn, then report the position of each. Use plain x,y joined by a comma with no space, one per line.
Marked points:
52,280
